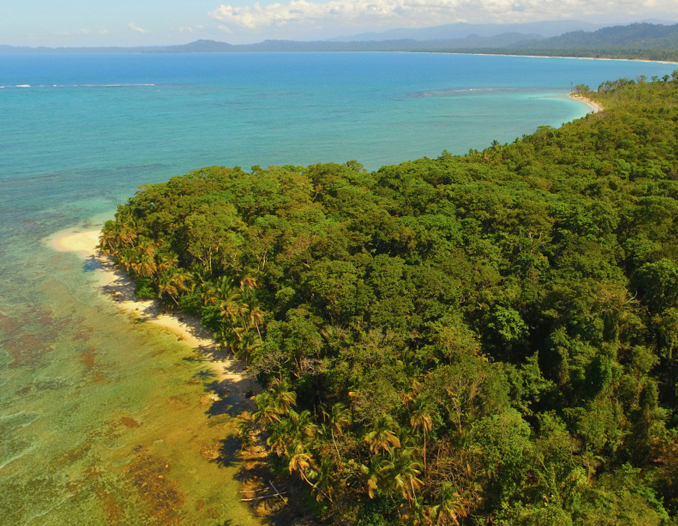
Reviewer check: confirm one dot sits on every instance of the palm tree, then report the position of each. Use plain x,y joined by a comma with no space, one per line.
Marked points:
381,438
167,262
281,437
405,470
450,508
117,234
211,292
127,234
338,418
209,295
244,343
284,398
229,309
327,483
302,461
256,317
126,258
220,290
147,247
172,282
109,240
307,429
267,410
421,418
248,283
144,266
376,473
372,485
242,313
166,285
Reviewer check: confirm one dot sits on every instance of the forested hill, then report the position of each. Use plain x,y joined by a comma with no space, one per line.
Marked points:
635,41
479,339
634,36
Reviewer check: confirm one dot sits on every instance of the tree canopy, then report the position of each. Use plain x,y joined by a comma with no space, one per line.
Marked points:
477,339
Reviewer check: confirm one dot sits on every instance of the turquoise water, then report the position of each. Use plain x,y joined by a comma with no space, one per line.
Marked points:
91,403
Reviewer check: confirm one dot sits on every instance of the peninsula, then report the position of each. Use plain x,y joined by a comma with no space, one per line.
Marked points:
452,340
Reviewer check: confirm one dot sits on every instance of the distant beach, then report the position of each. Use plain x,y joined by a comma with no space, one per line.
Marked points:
565,57
595,106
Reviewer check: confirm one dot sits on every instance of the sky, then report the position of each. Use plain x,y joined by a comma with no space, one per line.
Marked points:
161,22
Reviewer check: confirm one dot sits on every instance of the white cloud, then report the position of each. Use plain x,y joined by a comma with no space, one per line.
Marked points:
135,27
420,13
189,29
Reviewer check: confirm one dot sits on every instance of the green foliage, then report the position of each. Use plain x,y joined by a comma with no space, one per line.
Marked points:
461,340
144,289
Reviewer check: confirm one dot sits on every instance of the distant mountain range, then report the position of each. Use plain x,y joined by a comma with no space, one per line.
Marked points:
642,40
544,29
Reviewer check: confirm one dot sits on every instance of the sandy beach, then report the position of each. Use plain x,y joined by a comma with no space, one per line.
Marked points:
595,106
557,56
116,285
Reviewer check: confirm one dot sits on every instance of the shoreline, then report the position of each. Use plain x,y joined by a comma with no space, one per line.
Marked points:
596,107
462,51
118,288
550,56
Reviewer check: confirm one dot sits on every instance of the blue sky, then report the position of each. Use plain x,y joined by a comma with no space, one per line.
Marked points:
149,22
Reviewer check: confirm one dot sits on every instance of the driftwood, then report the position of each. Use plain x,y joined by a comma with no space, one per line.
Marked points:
264,497
277,493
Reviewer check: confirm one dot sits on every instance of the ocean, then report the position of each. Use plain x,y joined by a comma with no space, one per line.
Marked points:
92,405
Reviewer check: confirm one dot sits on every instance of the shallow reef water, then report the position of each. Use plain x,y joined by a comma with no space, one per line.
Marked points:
103,419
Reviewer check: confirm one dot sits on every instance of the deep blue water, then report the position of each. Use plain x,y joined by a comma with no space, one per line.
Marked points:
80,133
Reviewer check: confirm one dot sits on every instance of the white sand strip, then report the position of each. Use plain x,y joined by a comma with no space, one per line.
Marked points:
596,107
115,284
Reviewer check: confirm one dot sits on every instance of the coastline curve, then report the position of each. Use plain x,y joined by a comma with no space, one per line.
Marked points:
595,107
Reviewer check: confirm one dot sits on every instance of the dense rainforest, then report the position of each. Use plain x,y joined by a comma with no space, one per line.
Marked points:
467,340
635,41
